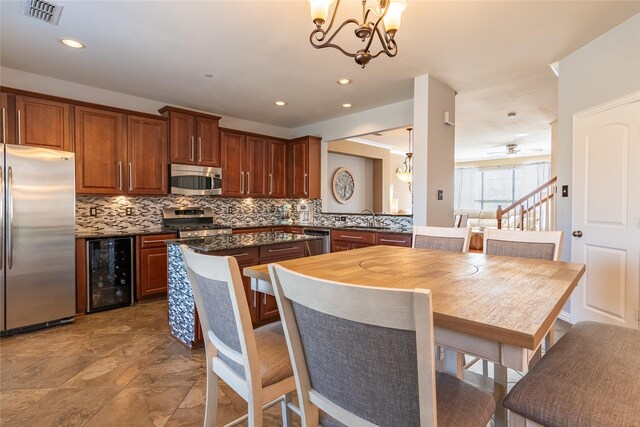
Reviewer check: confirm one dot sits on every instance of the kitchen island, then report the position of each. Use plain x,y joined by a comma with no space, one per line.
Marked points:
248,249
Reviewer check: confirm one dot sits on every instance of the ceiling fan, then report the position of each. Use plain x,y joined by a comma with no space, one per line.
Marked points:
513,149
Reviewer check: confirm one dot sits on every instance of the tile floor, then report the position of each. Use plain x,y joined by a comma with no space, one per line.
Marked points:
115,368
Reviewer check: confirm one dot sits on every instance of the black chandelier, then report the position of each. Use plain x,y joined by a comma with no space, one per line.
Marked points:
381,22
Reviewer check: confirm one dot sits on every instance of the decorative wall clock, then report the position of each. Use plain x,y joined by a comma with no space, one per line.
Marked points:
343,185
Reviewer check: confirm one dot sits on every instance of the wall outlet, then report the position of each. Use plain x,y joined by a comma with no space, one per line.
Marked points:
128,211
343,218
440,195
336,218
230,210
93,211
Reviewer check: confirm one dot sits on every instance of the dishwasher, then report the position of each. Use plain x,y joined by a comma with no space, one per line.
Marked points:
109,273
325,246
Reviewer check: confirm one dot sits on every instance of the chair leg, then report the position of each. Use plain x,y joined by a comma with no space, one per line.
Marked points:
255,414
211,408
485,368
287,414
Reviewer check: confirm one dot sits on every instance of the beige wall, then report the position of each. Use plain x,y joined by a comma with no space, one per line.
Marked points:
361,169
384,175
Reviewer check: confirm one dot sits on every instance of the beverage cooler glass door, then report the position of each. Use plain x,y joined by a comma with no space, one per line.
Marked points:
110,273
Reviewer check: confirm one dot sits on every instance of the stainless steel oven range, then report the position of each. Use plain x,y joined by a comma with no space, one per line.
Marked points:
192,222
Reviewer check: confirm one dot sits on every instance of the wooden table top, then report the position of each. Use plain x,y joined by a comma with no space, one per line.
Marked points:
510,300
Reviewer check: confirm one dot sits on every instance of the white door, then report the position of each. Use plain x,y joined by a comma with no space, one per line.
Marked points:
606,211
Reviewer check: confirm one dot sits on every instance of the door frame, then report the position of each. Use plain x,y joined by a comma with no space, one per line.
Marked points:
618,102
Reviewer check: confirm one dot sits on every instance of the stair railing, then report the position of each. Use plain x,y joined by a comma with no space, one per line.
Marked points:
534,211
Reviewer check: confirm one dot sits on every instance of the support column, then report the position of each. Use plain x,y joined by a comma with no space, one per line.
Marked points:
433,152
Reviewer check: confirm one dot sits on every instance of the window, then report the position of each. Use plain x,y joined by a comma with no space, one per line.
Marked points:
487,187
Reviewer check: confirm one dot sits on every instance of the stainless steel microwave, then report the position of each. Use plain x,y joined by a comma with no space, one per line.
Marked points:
195,180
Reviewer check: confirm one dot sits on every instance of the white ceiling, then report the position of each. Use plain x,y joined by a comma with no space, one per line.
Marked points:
494,54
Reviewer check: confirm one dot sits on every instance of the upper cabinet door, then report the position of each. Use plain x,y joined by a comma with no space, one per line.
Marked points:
183,139
147,156
208,143
299,169
257,162
43,123
233,166
100,151
277,169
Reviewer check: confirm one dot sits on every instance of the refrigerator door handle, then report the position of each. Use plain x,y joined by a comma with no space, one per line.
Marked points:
10,218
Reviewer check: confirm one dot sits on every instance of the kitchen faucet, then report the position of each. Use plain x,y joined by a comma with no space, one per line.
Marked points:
373,222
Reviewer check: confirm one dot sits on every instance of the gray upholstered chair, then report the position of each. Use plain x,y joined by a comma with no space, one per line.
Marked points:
523,244
363,356
256,363
589,378
441,238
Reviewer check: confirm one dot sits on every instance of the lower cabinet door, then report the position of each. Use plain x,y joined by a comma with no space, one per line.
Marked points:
268,308
152,266
337,246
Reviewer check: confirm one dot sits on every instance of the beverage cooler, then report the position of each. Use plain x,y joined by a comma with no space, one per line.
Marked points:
110,273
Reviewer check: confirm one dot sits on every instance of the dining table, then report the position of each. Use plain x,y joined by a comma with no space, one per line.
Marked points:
496,308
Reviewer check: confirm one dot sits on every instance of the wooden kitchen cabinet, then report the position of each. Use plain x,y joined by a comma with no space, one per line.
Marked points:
119,154
267,305
151,265
344,240
7,102
277,169
245,165
147,156
194,137
304,161
394,239
43,123
233,163
100,149
256,166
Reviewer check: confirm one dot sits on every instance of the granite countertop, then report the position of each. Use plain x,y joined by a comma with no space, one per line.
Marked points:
90,234
396,230
238,241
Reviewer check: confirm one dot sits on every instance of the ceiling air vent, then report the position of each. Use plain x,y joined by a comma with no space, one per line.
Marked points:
43,10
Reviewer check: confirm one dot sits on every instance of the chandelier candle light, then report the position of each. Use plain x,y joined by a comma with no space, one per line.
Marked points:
406,175
382,21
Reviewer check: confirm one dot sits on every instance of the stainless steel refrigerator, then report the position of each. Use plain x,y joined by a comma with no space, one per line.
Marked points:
37,262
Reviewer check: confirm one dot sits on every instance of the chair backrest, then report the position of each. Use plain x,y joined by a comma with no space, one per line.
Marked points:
450,239
524,244
350,361
224,315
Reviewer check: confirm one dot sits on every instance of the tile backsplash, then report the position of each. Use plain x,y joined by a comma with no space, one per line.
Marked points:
146,212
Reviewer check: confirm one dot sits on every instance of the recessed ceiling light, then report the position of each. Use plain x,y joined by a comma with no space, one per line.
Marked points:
511,115
72,43
347,105
344,81
208,75
521,135
280,103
